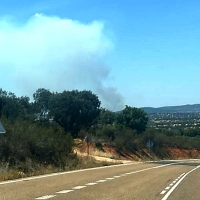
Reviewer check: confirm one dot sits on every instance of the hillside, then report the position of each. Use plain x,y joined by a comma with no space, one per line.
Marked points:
173,109
109,153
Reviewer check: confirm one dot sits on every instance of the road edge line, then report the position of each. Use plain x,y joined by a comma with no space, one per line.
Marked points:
63,173
175,186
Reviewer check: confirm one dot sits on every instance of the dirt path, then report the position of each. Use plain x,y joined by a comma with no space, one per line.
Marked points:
99,158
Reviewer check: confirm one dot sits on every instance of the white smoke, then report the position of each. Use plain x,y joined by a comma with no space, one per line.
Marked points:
56,54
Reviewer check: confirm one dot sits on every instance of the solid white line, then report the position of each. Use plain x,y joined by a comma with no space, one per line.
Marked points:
63,173
81,170
142,170
174,187
64,191
179,160
46,197
79,187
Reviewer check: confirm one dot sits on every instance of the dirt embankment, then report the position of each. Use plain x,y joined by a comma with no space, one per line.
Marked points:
179,153
111,154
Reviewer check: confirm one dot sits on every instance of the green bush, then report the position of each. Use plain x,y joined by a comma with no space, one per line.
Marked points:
31,141
98,145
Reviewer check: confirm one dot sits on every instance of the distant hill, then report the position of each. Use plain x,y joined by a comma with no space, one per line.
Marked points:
173,109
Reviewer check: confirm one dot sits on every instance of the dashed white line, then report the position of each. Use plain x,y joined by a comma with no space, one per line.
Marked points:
174,187
77,171
163,192
109,178
46,197
101,181
124,175
89,184
79,187
63,173
64,191
181,175
168,187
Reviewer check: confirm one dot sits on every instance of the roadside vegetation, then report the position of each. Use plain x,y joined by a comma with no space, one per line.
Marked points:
40,134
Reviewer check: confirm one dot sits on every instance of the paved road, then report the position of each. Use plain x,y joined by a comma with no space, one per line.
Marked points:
142,181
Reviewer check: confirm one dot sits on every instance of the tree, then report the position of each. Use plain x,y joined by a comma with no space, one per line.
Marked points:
106,117
133,118
74,110
12,106
41,99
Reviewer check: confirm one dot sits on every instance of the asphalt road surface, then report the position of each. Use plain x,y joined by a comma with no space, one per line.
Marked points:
142,181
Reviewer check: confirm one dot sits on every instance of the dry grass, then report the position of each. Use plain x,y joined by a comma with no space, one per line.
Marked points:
100,153
7,173
81,161
13,173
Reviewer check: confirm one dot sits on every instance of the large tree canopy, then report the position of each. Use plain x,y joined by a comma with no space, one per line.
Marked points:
74,110
133,118
12,106
106,117
41,99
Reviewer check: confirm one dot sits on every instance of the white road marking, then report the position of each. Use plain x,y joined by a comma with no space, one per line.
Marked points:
63,173
174,187
78,187
76,171
142,170
182,174
91,184
46,197
109,178
101,181
167,188
116,176
81,170
64,191
124,175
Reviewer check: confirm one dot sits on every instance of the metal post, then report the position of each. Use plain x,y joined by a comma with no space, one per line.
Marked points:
88,146
149,152
87,140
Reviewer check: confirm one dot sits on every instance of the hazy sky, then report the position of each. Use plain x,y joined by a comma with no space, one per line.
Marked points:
128,52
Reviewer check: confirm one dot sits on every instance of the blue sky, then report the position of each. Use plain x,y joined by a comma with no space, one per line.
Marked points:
137,53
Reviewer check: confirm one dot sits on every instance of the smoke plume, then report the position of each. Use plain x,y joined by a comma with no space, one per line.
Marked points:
56,54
